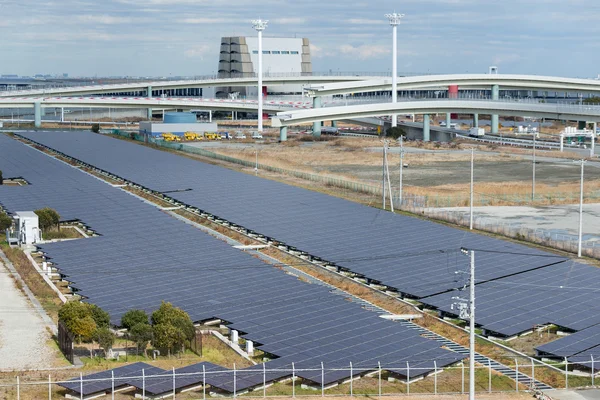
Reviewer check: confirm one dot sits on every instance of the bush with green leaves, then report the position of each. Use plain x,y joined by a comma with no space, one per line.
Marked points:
141,334
172,328
95,128
48,218
78,319
395,132
134,317
1,178
105,339
5,222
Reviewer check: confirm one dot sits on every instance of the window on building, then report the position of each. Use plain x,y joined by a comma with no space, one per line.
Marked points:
294,52
254,51
276,52
285,52
266,51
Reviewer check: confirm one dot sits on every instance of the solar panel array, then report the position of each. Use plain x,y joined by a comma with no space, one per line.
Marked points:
399,251
333,229
145,256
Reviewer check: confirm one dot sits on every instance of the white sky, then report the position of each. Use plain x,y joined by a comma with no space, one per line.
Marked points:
181,37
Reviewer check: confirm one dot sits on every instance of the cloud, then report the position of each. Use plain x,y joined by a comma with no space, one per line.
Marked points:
365,51
198,51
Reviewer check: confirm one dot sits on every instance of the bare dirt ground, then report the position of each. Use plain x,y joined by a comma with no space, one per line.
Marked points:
25,342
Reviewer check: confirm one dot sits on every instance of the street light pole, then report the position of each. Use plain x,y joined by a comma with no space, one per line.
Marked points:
260,25
401,171
394,22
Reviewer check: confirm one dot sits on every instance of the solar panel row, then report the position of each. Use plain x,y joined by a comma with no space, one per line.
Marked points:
333,229
144,256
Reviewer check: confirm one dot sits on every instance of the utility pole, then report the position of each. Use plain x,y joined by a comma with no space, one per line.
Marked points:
580,211
383,175
400,199
465,312
256,162
533,175
471,197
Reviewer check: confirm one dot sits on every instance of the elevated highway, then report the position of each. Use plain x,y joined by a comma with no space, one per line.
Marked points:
482,81
268,80
426,107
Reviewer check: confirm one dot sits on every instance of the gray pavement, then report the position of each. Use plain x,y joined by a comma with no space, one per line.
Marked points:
586,394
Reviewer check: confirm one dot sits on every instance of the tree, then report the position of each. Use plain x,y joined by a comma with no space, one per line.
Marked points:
134,317
395,132
5,222
105,338
172,327
1,178
48,218
100,316
83,319
141,333
95,128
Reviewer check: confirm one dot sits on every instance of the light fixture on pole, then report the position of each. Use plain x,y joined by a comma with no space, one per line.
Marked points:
260,25
394,22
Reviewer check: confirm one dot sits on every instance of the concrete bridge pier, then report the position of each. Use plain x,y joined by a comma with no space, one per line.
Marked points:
317,124
475,120
495,96
334,124
149,95
448,120
283,133
37,114
426,130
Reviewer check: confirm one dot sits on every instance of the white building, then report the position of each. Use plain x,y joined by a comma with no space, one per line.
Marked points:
281,57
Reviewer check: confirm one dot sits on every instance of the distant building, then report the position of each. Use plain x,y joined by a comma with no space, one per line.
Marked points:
281,56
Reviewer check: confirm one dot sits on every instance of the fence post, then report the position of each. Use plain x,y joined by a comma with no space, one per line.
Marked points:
352,378
143,384
322,380
490,376
112,384
264,380
593,372
80,386
532,373
293,381
407,378
379,366
517,375
19,385
174,382
462,390
203,382
235,382
49,387
566,373
434,377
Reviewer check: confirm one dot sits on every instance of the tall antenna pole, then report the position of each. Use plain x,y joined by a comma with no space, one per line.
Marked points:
383,174
260,25
394,22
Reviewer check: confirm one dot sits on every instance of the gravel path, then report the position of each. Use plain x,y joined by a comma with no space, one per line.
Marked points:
23,334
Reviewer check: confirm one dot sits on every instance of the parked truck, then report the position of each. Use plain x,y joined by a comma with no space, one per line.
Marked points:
476,132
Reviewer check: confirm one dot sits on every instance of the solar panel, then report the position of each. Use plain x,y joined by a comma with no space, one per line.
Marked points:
573,344
145,256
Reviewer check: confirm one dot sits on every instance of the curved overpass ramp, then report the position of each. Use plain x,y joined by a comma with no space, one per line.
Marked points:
508,108
519,82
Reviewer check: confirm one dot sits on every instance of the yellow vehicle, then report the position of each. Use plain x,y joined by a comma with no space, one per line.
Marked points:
193,136
169,137
212,136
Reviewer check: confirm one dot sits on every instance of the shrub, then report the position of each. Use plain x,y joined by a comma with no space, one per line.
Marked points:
134,317
5,222
48,218
95,128
172,327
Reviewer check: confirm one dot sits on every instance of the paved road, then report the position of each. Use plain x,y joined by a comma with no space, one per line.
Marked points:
590,394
